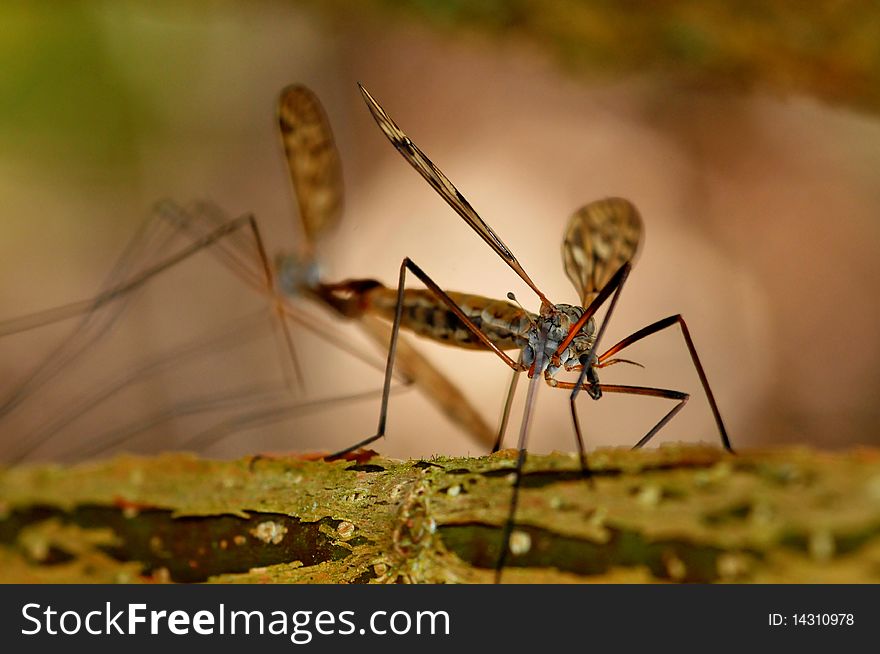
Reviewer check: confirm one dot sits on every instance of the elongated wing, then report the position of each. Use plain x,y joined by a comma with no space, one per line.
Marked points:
599,239
312,159
435,177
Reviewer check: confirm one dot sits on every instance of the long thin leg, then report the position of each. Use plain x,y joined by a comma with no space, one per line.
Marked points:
613,285
405,265
613,289
237,254
276,406
271,414
240,399
610,388
207,228
653,392
508,403
511,515
410,365
231,336
389,368
643,390
90,329
416,368
659,326
579,438
457,310
144,245
521,458
260,278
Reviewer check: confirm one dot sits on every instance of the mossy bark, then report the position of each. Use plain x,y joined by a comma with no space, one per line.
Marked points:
679,513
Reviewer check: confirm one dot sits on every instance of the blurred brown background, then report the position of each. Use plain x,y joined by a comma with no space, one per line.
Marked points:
751,156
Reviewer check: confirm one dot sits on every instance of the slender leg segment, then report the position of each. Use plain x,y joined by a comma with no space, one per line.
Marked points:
579,438
93,327
612,289
659,326
613,286
238,245
261,277
508,402
521,458
508,524
681,397
457,310
432,286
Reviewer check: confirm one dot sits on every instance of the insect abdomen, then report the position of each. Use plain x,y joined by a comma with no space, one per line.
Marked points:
426,315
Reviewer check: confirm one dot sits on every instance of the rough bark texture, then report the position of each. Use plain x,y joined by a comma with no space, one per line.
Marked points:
680,513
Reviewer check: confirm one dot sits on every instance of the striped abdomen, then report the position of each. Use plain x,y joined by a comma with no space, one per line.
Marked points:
425,314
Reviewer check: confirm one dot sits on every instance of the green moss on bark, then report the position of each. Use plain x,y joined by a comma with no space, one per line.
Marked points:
678,513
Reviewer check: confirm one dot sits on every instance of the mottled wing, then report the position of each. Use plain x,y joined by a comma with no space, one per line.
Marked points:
435,177
599,239
312,159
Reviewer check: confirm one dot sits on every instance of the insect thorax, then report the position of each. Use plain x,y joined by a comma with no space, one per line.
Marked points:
557,323
296,273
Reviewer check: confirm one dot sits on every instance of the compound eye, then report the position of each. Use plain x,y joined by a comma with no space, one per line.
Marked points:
528,355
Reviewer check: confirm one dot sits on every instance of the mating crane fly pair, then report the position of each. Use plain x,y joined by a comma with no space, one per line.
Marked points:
600,244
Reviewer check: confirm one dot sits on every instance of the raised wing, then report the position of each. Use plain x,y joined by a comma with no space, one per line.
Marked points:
444,187
312,159
599,239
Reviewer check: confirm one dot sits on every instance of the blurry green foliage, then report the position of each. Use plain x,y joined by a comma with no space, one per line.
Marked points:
59,96
829,49
66,93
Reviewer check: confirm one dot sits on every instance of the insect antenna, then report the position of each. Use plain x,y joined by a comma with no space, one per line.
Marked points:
512,298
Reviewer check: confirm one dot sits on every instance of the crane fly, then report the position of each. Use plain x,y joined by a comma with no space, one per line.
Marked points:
599,247
315,173
316,176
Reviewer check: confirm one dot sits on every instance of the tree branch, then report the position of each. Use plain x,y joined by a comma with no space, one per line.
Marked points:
678,513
